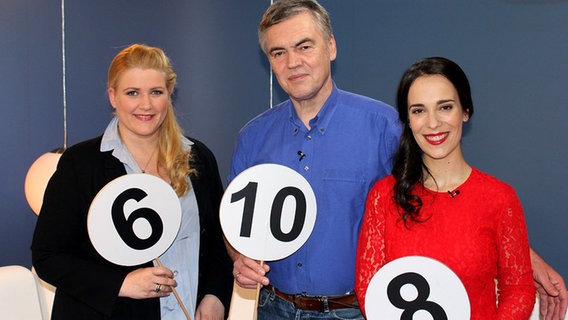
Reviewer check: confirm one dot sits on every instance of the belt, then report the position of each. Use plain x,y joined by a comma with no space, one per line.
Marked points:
318,303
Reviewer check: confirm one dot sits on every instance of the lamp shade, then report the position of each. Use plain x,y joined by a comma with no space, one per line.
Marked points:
38,176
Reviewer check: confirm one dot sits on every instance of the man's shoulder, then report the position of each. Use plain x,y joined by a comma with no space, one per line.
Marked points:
356,100
271,116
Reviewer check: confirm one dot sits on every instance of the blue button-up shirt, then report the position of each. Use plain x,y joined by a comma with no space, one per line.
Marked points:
349,146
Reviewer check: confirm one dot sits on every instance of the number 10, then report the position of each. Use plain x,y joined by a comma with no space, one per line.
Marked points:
249,194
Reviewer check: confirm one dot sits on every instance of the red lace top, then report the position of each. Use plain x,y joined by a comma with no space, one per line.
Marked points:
480,234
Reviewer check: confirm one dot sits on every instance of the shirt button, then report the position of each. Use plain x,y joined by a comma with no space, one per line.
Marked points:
306,168
309,137
299,264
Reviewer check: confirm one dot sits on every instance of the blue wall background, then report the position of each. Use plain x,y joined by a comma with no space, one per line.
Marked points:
514,52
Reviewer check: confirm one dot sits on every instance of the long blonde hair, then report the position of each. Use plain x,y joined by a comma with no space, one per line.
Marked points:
171,153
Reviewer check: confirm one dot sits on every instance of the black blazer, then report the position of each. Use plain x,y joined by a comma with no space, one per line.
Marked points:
87,284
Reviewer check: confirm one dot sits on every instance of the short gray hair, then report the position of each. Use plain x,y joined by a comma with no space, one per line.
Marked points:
282,10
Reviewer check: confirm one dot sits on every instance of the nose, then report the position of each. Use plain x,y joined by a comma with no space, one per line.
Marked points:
145,101
293,59
433,120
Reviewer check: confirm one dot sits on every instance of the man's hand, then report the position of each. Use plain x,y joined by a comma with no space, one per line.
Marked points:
551,289
249,273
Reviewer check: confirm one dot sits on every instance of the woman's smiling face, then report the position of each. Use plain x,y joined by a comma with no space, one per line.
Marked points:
436,117
140,101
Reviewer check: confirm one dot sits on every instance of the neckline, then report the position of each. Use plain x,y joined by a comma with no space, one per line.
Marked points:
455,191
149,160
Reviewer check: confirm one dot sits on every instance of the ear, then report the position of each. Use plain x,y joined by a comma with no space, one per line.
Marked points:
466,116
332,48
111,97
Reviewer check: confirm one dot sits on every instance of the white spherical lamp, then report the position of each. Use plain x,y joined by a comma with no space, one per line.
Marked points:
38,176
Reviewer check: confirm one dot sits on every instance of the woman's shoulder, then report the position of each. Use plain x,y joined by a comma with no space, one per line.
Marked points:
89,145
199,148
488,181
202,158
84,151
488,185
384,185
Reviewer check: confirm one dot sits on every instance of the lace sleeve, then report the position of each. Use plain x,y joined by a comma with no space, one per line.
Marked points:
371,245
516,290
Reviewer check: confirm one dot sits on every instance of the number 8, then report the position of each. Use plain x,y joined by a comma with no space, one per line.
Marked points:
420,303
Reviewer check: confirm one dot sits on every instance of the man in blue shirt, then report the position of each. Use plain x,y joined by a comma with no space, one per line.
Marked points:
339,141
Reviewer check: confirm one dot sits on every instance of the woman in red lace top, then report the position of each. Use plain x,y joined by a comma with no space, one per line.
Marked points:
436,205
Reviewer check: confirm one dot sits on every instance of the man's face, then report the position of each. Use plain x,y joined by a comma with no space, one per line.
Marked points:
301,57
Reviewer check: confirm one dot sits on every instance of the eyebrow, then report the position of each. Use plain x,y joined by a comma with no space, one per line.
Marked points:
437,103
445,101
138,89
298,44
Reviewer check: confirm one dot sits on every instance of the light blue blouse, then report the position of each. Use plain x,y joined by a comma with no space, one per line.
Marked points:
182,257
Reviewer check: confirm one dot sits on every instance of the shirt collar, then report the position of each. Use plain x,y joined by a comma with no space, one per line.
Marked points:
111,141
320,122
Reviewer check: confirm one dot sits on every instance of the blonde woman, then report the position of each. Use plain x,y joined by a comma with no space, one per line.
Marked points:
143,137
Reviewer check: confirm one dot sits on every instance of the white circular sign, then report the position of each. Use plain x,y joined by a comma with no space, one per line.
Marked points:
134,219
416,288
268,212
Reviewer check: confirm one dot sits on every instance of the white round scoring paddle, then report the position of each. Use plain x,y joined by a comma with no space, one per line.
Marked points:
134,219
267,213
416,288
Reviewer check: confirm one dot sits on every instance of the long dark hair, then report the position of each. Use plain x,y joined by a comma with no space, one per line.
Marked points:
408,166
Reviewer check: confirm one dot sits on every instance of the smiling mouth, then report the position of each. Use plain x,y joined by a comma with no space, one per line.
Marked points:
436,139
144,117
297,77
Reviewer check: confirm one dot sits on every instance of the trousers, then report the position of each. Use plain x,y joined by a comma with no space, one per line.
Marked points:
272,307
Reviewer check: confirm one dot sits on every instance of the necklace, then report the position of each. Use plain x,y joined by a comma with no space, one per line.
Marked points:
149,160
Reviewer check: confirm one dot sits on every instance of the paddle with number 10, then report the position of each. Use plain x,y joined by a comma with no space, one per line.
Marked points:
268,212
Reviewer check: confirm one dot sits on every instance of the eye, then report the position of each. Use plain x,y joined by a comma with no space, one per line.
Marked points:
157,92
131,93
277,54
416,110
446,107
